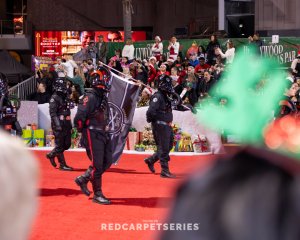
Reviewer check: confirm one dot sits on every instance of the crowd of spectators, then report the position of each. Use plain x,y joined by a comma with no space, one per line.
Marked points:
193,73
290,101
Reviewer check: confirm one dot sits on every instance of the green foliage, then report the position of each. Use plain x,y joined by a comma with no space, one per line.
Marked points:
132,129
245,97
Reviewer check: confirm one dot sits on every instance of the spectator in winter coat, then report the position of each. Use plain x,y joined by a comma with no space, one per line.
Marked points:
211,50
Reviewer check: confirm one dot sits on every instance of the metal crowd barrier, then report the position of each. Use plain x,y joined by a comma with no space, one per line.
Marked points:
24,89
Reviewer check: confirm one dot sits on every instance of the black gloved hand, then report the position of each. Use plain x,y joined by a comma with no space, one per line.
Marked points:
149,120
57,126
18,129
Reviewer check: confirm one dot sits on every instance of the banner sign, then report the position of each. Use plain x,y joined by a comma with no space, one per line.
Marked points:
284,51
56,43
122,103
118,36
48,43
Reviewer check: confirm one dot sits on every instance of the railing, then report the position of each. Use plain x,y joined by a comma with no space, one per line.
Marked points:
24,89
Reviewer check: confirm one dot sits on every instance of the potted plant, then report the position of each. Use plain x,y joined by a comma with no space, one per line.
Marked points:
139,147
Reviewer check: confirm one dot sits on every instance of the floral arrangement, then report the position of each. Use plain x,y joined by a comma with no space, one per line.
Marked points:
75,138
182,140
140,147
148,139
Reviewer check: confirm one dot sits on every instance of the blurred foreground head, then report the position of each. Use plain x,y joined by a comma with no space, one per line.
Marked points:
18,191
254,194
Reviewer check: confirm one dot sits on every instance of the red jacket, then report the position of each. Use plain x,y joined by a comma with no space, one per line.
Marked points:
198,68
181,76
151,73
158,73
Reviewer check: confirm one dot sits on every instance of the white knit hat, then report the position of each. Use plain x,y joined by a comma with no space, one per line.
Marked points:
158,38
148,91
152,58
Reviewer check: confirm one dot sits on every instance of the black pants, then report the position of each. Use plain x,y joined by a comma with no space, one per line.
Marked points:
62,139
85,143
163,136
99,148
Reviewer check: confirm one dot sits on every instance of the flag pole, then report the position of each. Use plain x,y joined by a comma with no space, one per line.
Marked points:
136,81
130,79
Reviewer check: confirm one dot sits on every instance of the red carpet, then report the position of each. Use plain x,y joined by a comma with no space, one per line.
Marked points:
137,197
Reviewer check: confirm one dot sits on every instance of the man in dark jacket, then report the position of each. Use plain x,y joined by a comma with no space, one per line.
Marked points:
59,109
8,111
41,95
160,115
92,120
102,49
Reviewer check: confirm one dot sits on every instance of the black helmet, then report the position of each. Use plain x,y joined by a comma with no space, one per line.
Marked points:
100,78
60,85
165,84
3,84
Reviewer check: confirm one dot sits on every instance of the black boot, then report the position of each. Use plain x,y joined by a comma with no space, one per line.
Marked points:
63,166
98,195
165,172
150,164
51,157
83,180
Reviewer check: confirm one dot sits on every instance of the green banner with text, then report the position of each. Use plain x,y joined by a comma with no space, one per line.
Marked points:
285,51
